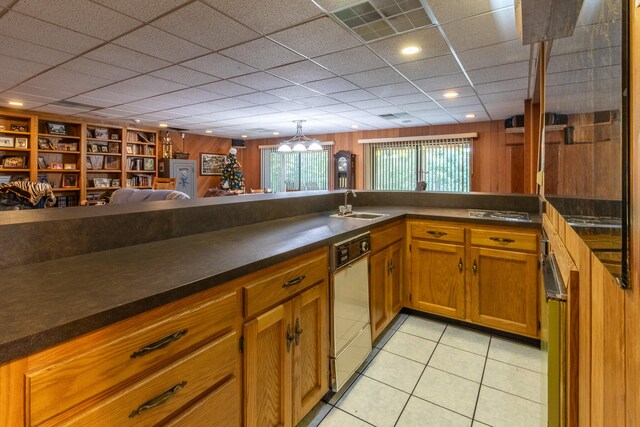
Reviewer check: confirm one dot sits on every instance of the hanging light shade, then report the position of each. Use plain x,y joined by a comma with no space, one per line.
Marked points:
299,142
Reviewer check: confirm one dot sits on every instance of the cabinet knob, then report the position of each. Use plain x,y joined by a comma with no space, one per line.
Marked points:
460,266
290,338
475,267
298,331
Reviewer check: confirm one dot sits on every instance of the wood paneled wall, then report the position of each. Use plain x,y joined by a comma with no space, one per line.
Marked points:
498,157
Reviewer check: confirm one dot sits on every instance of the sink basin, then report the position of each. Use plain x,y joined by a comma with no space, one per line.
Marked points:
359,215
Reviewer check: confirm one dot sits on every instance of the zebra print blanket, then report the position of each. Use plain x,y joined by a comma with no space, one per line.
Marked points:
28,193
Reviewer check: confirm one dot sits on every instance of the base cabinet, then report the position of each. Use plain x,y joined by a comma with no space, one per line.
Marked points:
286,360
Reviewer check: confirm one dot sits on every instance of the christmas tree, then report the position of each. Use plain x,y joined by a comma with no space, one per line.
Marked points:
232,176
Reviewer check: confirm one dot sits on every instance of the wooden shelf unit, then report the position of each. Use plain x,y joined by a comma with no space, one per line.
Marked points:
141,158
104,146
9,139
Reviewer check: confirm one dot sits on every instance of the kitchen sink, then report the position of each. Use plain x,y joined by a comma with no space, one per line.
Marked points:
501,215
359,215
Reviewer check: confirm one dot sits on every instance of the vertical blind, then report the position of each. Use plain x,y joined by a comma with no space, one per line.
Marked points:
293,171
442,164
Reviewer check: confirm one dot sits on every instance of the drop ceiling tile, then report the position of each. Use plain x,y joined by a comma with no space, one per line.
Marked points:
191,110
458,102
330,86
497,54
428,68
351,61
316,38
420,106
482,30
227,104
464,109
442,119
502,86
186,97
381,76
226,88
126,58
391,109
287,106
184,75
293,92
355,114
337,108
202,25
144,87
219,66
584,60
30,100
262,54
57,109
146,12
590,37
481,116
98,102
370,103
353,95
442,82
160,44
267,17
451,10
259,98
31,52
98,69
261,81
333,5
317,101
15,70
395,89
33,30
79,15
67,81
429,39
301,72
407,99
143,106
516,95
500,72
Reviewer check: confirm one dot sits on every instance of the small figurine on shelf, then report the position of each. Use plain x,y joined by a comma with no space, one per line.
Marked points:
232,176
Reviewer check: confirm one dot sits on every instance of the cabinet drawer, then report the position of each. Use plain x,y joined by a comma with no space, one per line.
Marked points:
285,282
220,408
127,353
442,233
152,400
384,236
504,239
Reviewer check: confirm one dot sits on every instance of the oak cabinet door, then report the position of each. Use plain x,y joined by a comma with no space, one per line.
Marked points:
437,278
395,279
378,273
503,290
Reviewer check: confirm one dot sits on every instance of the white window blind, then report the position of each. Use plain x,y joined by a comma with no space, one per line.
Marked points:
443,164
293,171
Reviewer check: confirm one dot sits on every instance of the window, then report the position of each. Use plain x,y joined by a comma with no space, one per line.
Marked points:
443,164
293,171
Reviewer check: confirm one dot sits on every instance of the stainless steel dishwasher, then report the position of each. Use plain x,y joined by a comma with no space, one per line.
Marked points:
349,304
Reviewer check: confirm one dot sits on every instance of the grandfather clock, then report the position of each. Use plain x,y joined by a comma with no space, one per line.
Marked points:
345,170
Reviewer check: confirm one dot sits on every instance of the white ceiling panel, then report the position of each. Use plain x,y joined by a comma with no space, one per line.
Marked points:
301,72
353,95
145,11
317,101
15,70
144,87
337,108
28,99
497,54
516,95
267,16
160,44
219,66
371,103
428,39
501,72
407,99
261,81
293,92
459,102
381,76
226,88
98,69
67,81
287,106
442,119
186,97
98,102
79,15
463,91
31,52
502,86
316,38
184,75
395,89
259,98
114,97
451,10
126,58
189,111
330,86
200,24
481,116
389,109
428,68
482,30
351,61
57,109
33,30
420,106
271,54
228,104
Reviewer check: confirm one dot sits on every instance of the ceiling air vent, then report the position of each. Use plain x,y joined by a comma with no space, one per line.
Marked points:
375,19
396,116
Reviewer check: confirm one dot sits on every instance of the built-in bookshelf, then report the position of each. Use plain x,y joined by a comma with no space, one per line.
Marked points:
141,158
16,141
103,160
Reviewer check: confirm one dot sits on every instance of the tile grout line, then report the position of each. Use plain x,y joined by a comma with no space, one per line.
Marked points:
511,394
515,366
484,368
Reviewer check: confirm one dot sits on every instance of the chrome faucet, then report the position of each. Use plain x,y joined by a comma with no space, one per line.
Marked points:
347,207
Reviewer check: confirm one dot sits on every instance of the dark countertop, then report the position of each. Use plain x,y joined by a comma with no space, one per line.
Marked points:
50,302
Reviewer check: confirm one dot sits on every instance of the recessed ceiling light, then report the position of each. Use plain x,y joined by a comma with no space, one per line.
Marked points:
470,116
208,131
354,126
16,103
243,136
450,94
411,50
276,133
163,125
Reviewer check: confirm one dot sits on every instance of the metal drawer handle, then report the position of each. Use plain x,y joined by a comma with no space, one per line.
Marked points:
156,401
460,266
289,338
437,233
293,282
298,331
501,239
157,345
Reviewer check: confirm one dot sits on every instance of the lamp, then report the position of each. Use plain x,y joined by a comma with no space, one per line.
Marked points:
299,142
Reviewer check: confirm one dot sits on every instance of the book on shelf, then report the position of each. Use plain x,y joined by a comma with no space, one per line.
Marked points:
140,181
135,164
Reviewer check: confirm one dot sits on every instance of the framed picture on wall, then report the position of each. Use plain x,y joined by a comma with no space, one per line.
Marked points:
211,164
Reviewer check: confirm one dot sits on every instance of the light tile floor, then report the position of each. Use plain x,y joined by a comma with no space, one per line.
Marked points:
426,373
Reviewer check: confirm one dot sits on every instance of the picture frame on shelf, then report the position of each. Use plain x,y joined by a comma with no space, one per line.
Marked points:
6,141
115,182
94,148
211,164
129,149
149,164
100,182
111,162
69,180
55,128
18,127
89,133
114,147
42,164
101,133
69,166
55,166
104,149
114,136
89,163
43,144
13,162
22,142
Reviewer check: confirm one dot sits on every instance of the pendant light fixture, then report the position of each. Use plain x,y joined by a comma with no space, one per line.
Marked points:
299,142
